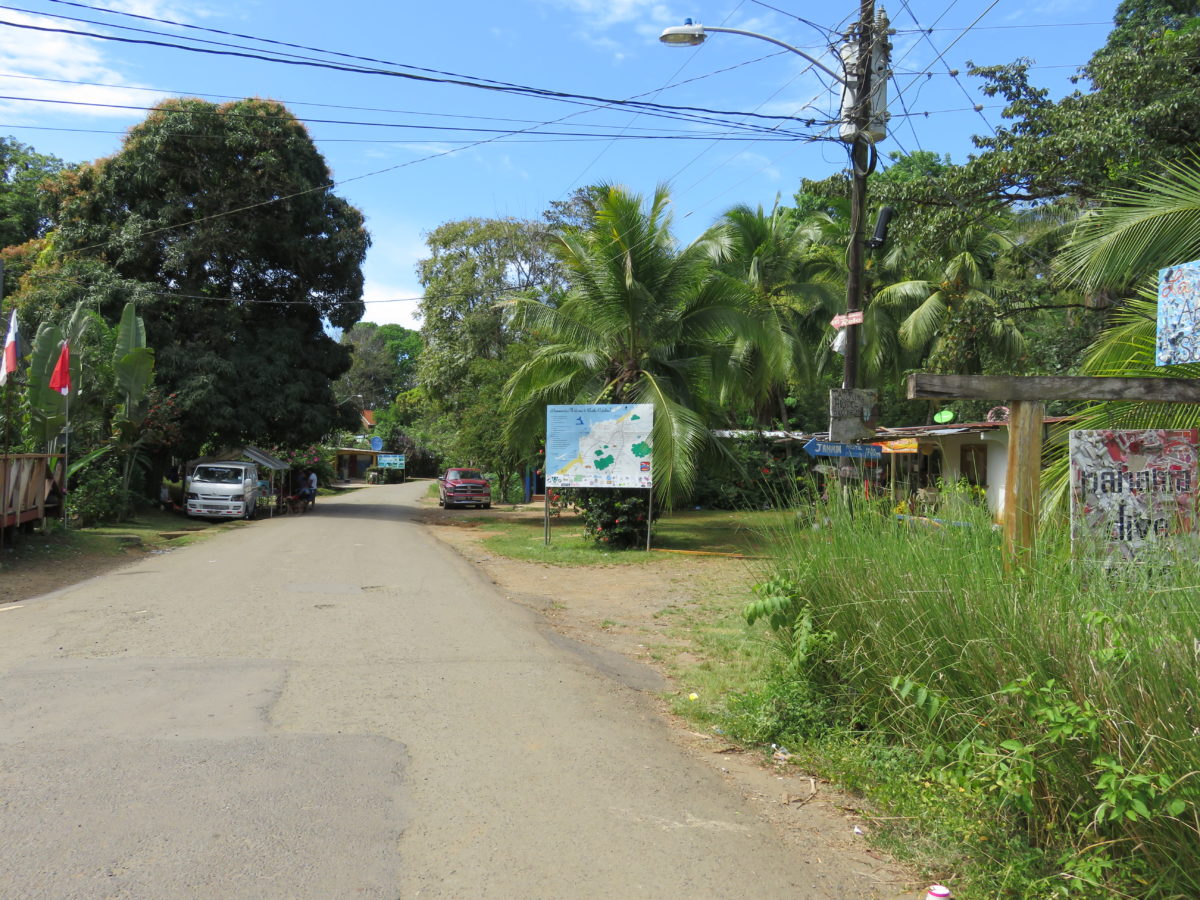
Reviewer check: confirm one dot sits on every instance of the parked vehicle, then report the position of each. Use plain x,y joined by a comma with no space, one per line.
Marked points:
464,487
223,490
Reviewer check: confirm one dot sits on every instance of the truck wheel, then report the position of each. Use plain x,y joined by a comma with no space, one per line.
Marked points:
487,506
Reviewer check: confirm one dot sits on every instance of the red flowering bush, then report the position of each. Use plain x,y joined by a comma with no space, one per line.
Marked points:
613,517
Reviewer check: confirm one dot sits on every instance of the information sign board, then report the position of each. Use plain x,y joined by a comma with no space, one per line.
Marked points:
390,461
600,446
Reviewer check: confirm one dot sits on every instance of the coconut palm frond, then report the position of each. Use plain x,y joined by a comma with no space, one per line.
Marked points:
1143,230
923,324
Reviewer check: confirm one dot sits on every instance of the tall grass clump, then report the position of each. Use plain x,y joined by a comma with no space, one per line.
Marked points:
1061,701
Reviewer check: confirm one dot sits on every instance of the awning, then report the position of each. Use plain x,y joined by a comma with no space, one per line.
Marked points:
266,460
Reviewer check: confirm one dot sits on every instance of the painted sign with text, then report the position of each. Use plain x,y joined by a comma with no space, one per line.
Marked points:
854,317
1132,491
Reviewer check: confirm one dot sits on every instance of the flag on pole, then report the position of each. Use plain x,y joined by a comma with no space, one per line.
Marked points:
60,378
10,351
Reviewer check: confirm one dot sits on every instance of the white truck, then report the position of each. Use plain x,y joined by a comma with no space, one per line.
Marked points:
223,490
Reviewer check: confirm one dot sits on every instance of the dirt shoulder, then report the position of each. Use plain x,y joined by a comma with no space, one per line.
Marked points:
41,566
632,610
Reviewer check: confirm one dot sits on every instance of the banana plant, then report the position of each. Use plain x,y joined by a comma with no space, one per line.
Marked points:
133,368
47,408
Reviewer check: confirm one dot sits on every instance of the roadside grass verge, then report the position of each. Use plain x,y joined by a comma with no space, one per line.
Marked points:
1027,736
691,531
150,529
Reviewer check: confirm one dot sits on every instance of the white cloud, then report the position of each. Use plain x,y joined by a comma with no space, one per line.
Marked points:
603,13
392,291
44,55
390,304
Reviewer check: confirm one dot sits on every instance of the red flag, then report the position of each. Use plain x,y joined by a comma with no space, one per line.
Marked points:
60,378
10,351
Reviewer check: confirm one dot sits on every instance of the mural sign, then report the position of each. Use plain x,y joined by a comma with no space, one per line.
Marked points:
1178,315
1131,491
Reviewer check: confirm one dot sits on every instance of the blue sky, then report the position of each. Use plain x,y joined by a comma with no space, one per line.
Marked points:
421,156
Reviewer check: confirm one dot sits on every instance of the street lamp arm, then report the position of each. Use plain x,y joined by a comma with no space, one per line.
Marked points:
691,35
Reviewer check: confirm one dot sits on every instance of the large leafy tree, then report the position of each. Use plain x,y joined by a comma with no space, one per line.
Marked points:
22,171
384,363
470,347
473,266
1140,108
227,215
645,321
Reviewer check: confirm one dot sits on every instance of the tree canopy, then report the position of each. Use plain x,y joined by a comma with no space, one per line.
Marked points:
226,213
22,172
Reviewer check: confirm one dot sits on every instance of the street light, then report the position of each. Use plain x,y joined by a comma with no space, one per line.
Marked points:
863,115
691,35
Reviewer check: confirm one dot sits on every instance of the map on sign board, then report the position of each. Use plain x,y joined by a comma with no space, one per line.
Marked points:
1178,315
1131,490
390,461
604,446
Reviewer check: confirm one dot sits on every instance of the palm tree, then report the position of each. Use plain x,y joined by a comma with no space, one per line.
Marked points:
777,256
644,322
949,316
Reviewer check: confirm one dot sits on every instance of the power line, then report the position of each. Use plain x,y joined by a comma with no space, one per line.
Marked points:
685,135
562,96
829,32
951,72
1038,26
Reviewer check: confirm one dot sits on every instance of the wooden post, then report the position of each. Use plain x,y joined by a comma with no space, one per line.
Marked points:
1023,481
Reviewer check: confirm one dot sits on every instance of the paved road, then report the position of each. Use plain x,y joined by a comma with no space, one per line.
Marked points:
337,706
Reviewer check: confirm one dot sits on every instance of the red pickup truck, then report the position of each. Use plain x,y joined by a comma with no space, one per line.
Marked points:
464,487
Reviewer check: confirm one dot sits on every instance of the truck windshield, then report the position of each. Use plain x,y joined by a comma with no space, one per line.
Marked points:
460,474
218,474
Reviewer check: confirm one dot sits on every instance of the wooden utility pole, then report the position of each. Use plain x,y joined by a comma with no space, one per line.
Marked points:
1025,397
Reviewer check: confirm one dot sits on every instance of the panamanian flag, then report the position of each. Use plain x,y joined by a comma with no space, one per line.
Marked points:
10,350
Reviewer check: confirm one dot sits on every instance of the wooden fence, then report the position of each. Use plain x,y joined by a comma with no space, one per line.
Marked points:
30,485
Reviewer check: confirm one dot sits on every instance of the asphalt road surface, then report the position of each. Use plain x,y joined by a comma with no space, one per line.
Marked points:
337,706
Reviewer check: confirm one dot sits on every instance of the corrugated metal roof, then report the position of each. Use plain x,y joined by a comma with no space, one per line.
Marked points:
265,459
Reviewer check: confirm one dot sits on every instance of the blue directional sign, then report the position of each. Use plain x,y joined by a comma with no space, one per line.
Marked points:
853,451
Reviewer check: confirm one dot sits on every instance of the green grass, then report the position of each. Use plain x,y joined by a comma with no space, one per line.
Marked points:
151,528
1028,735
704,531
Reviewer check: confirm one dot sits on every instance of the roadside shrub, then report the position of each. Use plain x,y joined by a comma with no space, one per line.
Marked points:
310,457
96,494
784,709
509,490
613,517
755,475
